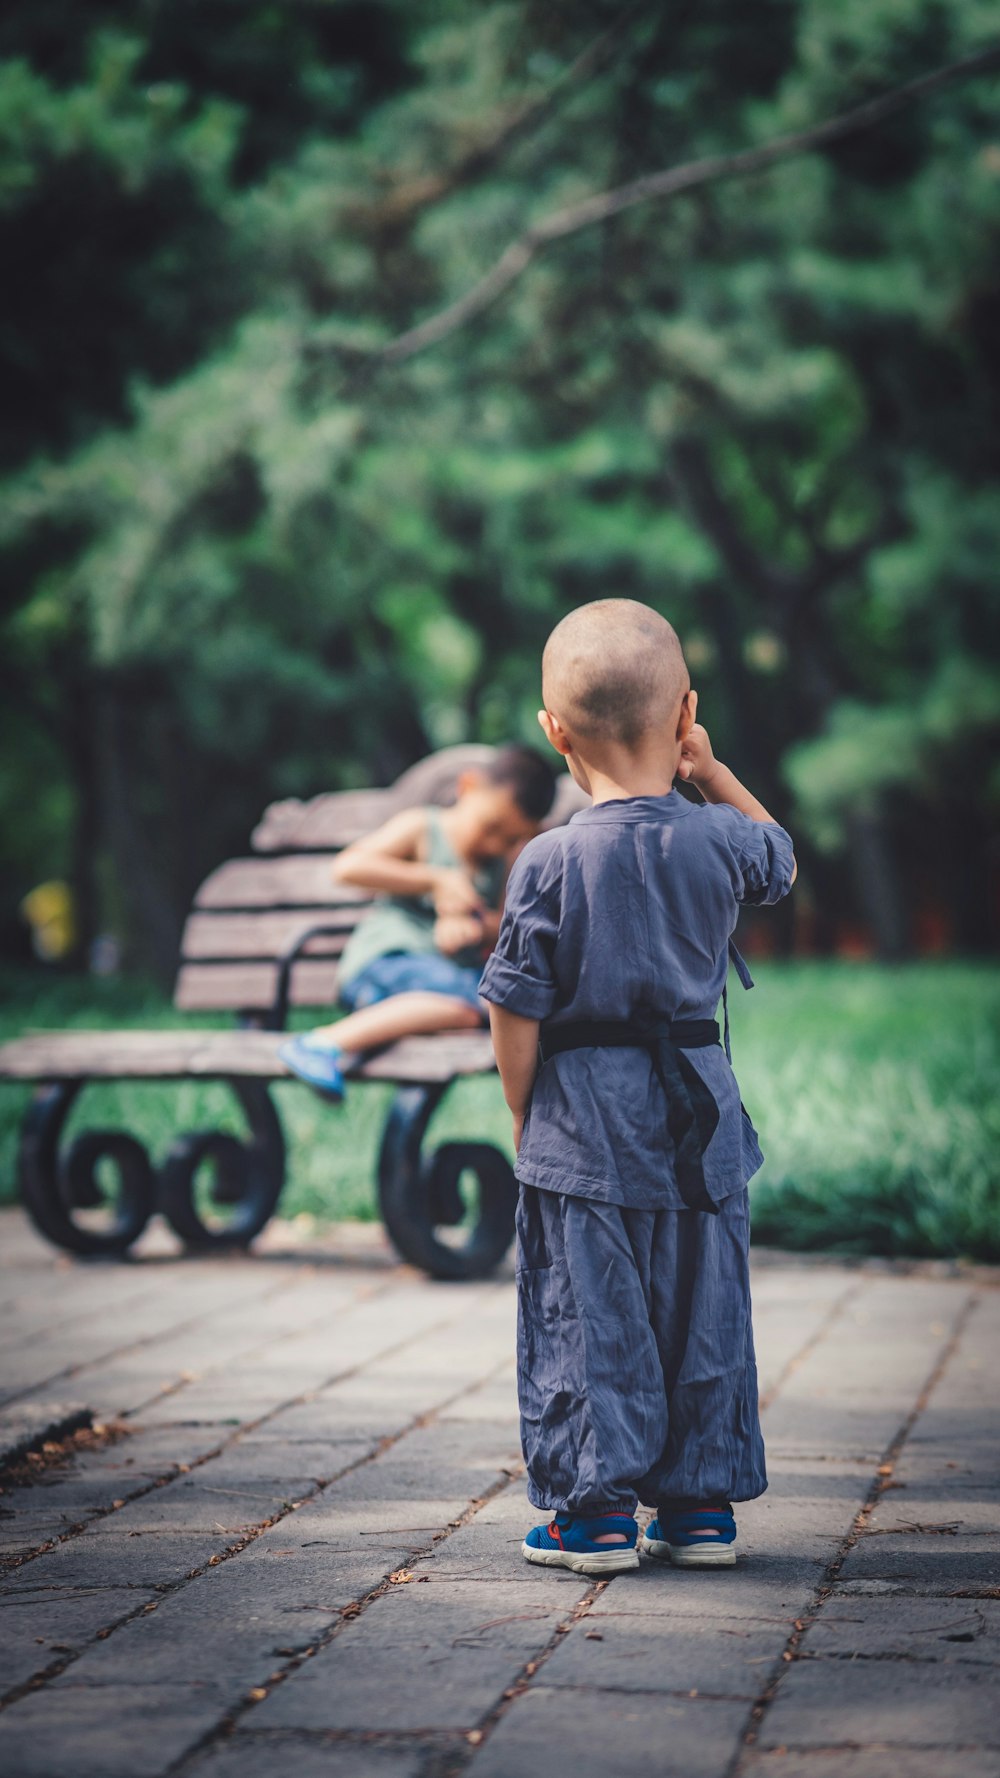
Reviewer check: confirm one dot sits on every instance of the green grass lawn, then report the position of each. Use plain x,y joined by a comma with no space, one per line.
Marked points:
874,1091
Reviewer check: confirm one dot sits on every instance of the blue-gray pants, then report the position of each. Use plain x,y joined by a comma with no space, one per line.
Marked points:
635,1364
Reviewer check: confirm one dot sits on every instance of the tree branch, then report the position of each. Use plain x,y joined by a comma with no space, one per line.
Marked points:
668,184
409,198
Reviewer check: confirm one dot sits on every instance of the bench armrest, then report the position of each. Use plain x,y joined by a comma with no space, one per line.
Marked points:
277,1017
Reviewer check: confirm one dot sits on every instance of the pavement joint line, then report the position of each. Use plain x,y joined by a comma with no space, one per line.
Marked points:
899,1657
355,1608
811,1750
815,1339
825,1587
170,1588
13,1340
365,1294
10,1565
193,1321
529,1671
477,1737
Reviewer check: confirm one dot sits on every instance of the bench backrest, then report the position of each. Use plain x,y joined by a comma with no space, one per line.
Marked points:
250,910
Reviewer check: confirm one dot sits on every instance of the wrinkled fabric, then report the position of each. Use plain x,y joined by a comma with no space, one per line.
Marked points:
627,911
636,1369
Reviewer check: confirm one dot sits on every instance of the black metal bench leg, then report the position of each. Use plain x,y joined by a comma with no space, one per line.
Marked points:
245,1177
70,1198
58,1185
433,1213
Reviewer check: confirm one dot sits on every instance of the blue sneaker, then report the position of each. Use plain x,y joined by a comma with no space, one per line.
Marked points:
318,1064
695,1537
568,1542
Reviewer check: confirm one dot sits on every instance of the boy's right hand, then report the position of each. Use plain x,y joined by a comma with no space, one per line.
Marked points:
697,763
455,893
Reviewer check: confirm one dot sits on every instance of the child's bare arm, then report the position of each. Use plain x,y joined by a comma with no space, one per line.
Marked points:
515,1041
389,863
715,781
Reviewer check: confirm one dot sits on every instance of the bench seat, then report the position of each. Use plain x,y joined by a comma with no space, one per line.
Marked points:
226,1055
266,933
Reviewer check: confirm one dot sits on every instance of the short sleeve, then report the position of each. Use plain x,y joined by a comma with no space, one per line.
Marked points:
519,973
766,863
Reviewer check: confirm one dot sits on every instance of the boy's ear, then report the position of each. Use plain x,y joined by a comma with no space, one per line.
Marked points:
688,714
553,732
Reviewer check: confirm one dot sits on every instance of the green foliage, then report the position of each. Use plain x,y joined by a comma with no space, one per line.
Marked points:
246,559
874,1093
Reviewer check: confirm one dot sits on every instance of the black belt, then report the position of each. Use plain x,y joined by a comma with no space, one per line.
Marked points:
692,1113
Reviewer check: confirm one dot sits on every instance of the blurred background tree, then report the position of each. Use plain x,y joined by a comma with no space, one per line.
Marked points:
246,554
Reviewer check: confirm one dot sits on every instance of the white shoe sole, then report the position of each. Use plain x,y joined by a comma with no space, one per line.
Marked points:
610,1561
706,1555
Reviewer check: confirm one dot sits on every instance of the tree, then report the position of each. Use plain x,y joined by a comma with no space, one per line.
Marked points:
768,408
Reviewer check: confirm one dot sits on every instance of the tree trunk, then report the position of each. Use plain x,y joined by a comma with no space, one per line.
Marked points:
152,922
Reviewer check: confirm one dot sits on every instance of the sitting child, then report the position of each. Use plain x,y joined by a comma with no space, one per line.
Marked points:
413,964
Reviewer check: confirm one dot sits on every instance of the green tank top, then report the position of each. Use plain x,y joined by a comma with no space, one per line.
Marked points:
406,923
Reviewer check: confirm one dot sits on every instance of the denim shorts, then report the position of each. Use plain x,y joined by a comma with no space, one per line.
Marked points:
406,972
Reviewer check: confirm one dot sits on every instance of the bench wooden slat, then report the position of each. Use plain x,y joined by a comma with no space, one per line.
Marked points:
220,936
295,882
208,1055
339,817
250,987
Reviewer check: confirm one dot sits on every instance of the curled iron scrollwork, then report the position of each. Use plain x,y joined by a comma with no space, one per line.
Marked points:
66,1187
95,1193
244,1176
451,1211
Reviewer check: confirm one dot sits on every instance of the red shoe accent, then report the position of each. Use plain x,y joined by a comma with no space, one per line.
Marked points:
556,1534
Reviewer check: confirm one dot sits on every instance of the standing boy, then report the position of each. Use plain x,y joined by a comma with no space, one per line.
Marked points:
636,1371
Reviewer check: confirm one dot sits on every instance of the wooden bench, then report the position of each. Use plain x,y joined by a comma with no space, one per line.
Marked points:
264,935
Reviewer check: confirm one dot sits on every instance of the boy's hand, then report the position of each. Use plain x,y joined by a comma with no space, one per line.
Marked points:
698,762
453,932
455,893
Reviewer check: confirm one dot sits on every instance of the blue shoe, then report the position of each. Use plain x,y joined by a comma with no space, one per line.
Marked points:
319,1065
698,1537
568,1542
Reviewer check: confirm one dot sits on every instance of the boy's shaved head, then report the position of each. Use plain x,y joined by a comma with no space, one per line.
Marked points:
611,670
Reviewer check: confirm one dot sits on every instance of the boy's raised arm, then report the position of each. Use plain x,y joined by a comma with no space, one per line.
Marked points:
389,863
717,783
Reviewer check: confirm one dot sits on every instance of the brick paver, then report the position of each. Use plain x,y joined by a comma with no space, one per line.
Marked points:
297,1548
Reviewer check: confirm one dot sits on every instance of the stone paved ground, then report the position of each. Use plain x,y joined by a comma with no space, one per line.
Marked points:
301,1555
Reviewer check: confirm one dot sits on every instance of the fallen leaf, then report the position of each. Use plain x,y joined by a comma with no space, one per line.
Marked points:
474,1737
594,1636
259,1692
884,1469
117,1503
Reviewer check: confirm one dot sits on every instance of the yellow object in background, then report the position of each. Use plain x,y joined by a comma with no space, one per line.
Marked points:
50,911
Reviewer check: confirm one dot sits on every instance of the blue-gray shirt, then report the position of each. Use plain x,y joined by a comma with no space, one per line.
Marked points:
628,909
